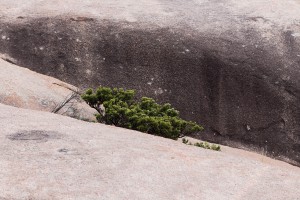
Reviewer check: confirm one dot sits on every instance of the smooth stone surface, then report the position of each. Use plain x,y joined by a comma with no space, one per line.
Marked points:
23,88
48,156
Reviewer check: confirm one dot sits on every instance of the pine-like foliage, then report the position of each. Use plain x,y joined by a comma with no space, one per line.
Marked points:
118,107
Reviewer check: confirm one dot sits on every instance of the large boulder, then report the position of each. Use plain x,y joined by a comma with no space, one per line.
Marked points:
232,66
23,88
47,156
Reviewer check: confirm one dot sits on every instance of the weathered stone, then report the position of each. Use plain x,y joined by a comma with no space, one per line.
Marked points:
24,88
52,157
233,66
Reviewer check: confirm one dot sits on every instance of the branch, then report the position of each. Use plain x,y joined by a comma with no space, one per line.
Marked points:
65,101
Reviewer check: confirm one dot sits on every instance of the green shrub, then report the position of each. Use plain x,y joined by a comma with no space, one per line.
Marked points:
185,141
215,147
118,107
206,145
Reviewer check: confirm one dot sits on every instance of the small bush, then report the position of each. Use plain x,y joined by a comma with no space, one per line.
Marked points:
215,147
118,107
185,141
206,145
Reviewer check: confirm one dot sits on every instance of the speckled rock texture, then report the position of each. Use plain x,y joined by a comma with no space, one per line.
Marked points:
23,88
231,65
52,157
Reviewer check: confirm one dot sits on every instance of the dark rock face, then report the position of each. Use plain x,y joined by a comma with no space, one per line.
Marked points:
244,95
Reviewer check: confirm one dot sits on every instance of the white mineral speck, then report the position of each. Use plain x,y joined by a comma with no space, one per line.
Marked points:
296,34
88,71
248,127
159,91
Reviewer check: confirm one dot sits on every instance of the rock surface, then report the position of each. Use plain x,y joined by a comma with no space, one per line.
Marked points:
47,156
231,65
23,88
